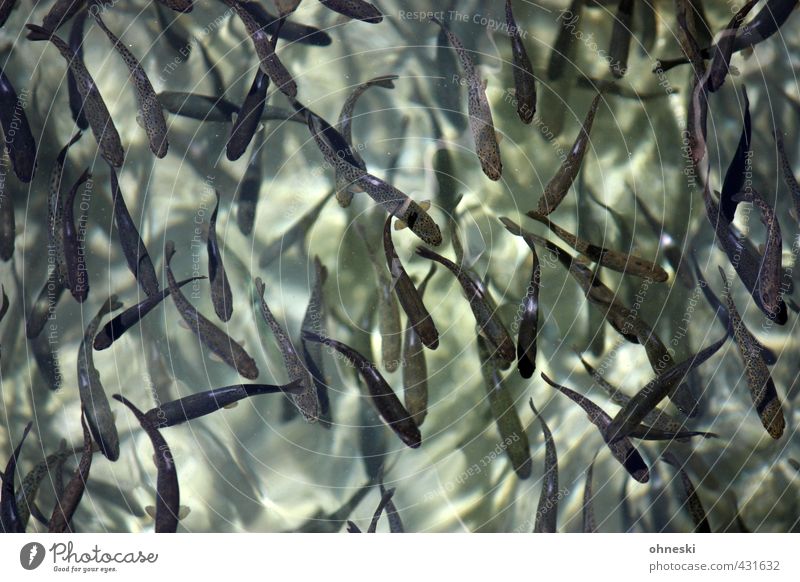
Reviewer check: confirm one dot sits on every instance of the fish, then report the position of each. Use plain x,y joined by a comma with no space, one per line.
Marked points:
93,397
294,235
547,510
739,168
483,308
392,515
386,498
620,43
589,521
644,401
762,388
697,112
10,521
307,401
6,6
345,127
201,107
103,128
668,244
610,87
557,188
44,305
761,27
45,355
314,319
18,139
214,338
73,493
175,33
204,403
723,48
373,436
356,9
133,247
353,528
381,394
5,305
114,329
524,78
513,437
415,367
55,210
8,225
410,299
221,295
291,32
480,113
29,486
788,174
150,113
60,12
529,322
562,55
323,522
724,317
622,450
167,487
248,117
444,169
250,188
692,502
614,260
77,277
270,64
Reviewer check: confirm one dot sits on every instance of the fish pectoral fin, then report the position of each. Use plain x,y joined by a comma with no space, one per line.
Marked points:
425,205
400,224
231,405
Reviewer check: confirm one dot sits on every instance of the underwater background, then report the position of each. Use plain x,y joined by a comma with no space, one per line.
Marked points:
260,467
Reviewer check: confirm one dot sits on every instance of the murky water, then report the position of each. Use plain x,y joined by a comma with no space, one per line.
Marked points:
259,467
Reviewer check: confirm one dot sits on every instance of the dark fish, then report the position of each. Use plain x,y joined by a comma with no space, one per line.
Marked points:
291,32
358,9
353,528
114,329
589,521
448,102
214,338
221,295
762,26
692,501
93,105
620,44
723,49
248,117
306,401
61,12
93,397
250,188
373,436
788,174
697,113
609,87
668,244
175,33
395,523
133,248
73,493
415,367
265,49
381,394
6,6
55,211
762,388
345,127
724,317
294,235
203,403
10,521
739,168
19,141
8,225
167,490
201,107
332,522
557,188
314,320
629,417
410,299
483,307
444,169
529,322
615,260
76,44
547,511
480,114
151,115
46,357
562,55
622,449
5,305
77,277
513,437
386,498
524,79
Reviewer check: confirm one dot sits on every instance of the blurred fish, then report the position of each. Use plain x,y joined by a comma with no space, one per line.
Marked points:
221,295
8,225
314,320
620,43
589,521
55,211
563,54
291,32
547,510
415,367
524,79
692,501
294,235
357,9
73,493
723,49
18,139
77,277
529,322
60,12
10,521
248,117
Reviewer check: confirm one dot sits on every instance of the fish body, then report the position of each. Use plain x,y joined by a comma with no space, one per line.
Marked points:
73,492
248,117
356,9
10,521
18,139
77,277
221,295
524,79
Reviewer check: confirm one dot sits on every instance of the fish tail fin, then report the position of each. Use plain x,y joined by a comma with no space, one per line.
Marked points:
38,32
427,253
